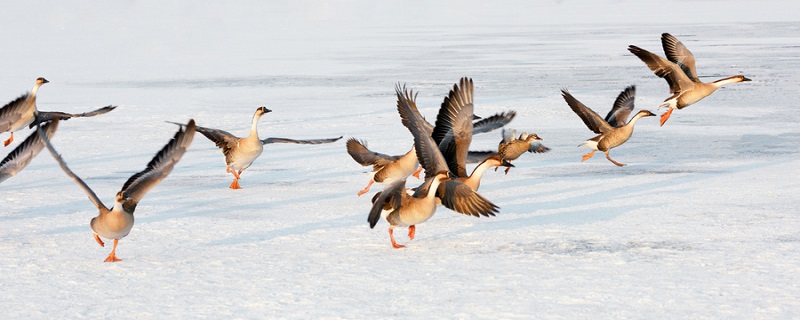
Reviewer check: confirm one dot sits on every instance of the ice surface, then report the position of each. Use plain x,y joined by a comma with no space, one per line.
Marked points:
703,223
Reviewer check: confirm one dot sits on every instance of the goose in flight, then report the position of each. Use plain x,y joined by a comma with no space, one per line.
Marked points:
25,152
241,152
613,130
116,222
511,148
678,69
406,210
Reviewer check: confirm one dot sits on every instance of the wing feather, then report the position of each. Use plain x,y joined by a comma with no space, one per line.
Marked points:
589,117
428,152
295,141
680,55
663,68
43,116
618,116
22,155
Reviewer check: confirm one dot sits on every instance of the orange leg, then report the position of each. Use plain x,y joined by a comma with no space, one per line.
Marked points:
112,257
411,231
587,156
10,139
235,183
416,173
614,162
665,116
391,236
507,168
100,242
363,191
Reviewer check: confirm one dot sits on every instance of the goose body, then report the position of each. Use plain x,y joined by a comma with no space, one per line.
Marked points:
385,168
116,222
20,112
22,155
613,130
679,70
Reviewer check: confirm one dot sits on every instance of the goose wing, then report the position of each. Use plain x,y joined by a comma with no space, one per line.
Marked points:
589,117
92,196
680,55
307,141
161,165
428,152
389,199
538,147
494,122
43,116
359,152
223,139
25,152
618,116
663,68
478,156
12,112
461,198
453,131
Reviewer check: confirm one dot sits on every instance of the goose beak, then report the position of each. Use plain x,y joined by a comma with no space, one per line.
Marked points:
264,110
746,78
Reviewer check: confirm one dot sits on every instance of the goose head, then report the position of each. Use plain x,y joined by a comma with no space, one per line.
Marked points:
261,111
40,81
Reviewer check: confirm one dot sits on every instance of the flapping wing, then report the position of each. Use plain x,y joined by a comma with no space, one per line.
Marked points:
494,122
453,131
538,147
389,199
43,116
92,196
140,183
679,54
663,68
365,157
25,152
223,139
12,112
428,152
508,135
307,141
618,116
478,156
461,198
589,117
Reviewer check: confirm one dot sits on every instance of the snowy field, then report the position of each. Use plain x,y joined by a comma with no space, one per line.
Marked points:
702,223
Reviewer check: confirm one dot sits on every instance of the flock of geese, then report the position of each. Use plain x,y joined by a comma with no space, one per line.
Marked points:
441,149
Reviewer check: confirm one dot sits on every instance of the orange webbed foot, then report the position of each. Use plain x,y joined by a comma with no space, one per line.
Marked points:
9,140
235,184
665,117
411,231
416,173
100,242
587,156
391,236
112,257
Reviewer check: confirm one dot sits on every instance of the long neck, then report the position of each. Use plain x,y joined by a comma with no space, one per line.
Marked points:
34,90
726,81
634,119
254,126
433,188
474,180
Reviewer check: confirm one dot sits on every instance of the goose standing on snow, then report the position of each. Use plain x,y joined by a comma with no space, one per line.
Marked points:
22,112
241,152
613,131
25,152
116,222
407,210
680,73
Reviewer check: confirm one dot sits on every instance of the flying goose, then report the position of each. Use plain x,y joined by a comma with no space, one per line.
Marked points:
22,112
409,210
511,148
613,131
116,222
679,71
241,152
25,152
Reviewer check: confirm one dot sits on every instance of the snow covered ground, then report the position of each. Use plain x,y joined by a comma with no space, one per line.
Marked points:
702,223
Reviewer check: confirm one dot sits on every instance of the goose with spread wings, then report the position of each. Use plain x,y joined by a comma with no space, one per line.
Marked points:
116,222
511,147
241,152
19,158
402,209
678,69
613,130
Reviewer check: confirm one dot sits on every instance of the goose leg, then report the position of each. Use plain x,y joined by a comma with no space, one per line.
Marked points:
614,162
665,116
391,236
416,173
363,191
100,242
112,257
587,156
507,168
9,140
235,183
411,231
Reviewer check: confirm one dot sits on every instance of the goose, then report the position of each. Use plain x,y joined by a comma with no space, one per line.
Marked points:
511,148
613,131
406,210
680,73
116,222
25,152
22,112
385,168
241,152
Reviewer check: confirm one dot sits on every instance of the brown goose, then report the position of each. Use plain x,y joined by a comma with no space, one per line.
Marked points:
613,131
241,152
25,152
680,73
116,222
385,168
407,210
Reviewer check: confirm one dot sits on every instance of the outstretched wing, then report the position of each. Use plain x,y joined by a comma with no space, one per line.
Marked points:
589,117
389,199
140,183
358,150
663,68
13,111
461,198
307,141
618,116
478,156
223,139
43,116
678,53
538,147
22,155
92,196
494,122
453,131
428,152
